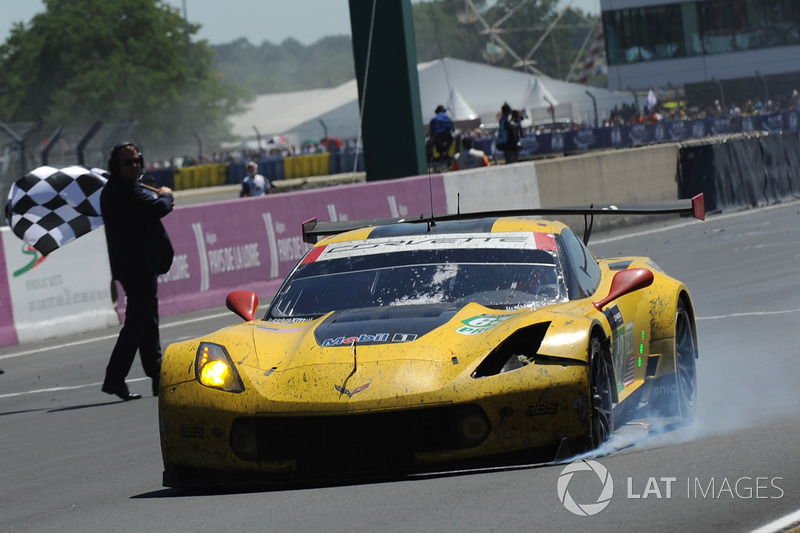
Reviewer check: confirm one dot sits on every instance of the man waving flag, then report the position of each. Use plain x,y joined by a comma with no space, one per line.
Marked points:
49,207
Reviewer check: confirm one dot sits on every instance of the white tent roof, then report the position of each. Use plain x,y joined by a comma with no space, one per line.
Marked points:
537,95
465,88
459,108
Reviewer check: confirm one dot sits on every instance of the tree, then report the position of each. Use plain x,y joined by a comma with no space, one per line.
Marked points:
115,60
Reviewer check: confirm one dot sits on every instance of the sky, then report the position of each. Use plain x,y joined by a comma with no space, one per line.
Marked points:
224,21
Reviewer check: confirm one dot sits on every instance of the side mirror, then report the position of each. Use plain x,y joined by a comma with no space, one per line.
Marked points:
624,282
243,303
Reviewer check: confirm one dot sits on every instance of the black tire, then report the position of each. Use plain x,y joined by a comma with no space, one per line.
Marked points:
601,384
685,365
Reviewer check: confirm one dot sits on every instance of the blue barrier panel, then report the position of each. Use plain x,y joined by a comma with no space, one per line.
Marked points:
580,140
165,177
235,173
336,162
269,168
717,126
348,160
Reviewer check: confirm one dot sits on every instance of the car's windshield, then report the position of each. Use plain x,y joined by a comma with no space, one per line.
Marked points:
372,274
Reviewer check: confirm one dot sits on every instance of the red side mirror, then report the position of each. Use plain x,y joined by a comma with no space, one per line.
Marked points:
243,303
624,282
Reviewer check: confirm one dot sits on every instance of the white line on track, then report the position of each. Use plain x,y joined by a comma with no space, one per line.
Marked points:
752,313
57,389
114,336
735,214
781,524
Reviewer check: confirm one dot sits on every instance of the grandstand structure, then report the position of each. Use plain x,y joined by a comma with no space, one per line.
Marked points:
741,49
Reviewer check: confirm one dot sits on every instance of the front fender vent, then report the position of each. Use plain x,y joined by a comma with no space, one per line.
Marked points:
517,351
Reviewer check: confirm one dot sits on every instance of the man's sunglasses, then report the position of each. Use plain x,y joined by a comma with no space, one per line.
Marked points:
130,162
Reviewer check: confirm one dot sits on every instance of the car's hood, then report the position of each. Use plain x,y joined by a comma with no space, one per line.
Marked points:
376,334
408,351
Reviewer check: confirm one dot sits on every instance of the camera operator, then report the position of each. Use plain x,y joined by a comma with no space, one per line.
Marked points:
509,133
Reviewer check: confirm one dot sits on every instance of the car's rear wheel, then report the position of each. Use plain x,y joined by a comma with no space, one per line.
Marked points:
600,382
685,365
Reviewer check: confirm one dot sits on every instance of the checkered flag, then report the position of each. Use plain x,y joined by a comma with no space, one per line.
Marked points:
50,207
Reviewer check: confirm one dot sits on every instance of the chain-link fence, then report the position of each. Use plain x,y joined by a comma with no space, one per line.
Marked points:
25,146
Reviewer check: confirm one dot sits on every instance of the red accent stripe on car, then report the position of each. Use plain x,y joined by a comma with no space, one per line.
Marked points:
313,255
545,241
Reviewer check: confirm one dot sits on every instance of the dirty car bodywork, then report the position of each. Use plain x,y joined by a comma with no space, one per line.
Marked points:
405,347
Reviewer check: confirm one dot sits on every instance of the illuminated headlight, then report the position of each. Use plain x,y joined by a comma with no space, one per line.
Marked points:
214,368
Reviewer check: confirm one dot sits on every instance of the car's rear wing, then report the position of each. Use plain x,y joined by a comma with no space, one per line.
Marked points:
313,229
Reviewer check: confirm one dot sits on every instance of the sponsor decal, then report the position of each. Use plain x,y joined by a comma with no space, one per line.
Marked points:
360,339
541,408
35,259
221,260
233,258
622,345
178,271
191,431
481,324
630,368
351,393
507,240
283,327
665,390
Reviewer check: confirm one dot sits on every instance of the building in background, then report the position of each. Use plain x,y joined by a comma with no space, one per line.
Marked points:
730,49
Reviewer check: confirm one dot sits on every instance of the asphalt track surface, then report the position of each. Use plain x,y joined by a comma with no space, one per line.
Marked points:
75,459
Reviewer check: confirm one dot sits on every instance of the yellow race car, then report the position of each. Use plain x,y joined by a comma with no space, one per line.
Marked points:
403,346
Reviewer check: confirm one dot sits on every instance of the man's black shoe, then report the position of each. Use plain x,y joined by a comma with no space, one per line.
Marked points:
120,391
155,385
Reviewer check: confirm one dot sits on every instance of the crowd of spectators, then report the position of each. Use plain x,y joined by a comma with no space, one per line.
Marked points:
267,150
625,114
681,110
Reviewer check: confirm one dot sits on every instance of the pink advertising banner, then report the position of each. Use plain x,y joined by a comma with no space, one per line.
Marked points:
253,243
8,333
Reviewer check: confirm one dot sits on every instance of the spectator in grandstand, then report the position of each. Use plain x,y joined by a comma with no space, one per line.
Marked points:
469,157
440,134
254,184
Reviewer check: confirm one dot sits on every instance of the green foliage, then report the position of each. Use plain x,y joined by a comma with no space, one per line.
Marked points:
291,66
114,60
117,60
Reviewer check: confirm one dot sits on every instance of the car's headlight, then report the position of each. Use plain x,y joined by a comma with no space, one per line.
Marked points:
213,368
